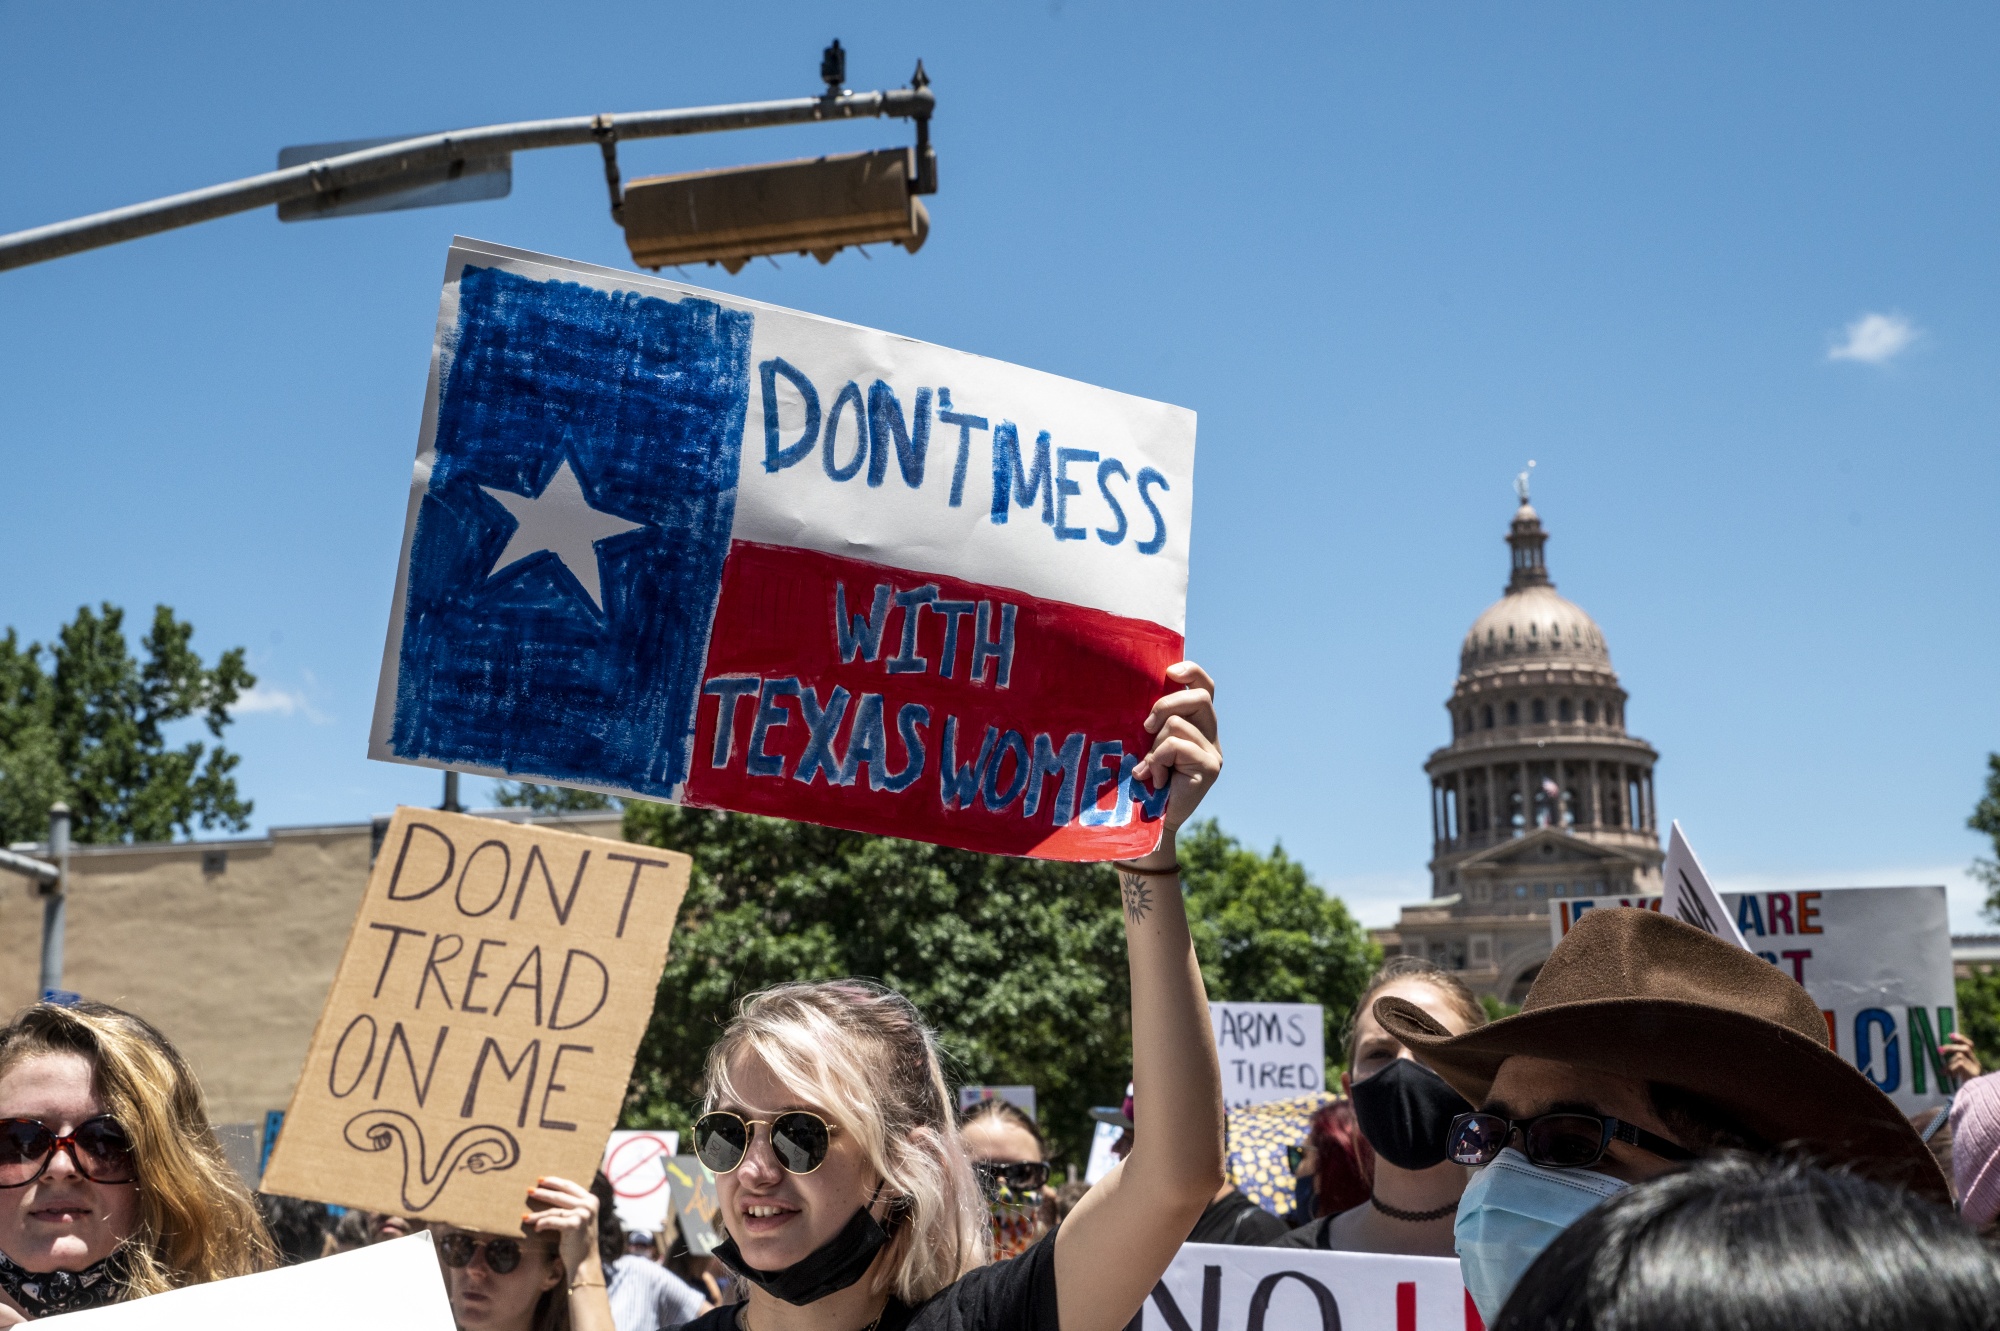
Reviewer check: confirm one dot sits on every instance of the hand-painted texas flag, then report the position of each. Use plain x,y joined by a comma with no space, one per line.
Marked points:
670,544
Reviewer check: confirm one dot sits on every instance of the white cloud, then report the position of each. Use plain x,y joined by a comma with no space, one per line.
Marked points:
1875,339
268,698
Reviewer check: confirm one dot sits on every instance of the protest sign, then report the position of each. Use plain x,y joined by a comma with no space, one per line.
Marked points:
392,1286
481,1027
1102,1159
635,1165
669,543
1221,1287
1021,1097
1689,898
1269,1051
695,1204
1877,960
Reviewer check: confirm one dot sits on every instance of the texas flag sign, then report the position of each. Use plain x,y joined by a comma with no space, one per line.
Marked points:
669,544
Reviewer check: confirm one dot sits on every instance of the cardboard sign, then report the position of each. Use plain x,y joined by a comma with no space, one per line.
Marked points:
1220,1287
669,543
696,1205
635,1164
392,1286
1877,960
482,1024
1269,1051
1689,897
1021,1097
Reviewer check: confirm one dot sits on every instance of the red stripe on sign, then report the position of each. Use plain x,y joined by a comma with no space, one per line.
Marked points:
1473,1321
1406,1305
909,704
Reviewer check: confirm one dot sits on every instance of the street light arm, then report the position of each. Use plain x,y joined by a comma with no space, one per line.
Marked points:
408,156
39,870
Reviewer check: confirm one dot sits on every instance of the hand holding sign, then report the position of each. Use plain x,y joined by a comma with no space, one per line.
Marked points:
1185,756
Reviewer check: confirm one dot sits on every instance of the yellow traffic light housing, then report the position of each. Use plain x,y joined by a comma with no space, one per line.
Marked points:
815,206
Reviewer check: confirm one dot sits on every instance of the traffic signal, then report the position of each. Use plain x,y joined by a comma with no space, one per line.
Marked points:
815,206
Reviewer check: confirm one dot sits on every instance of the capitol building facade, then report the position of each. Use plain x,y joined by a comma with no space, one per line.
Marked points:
1541,794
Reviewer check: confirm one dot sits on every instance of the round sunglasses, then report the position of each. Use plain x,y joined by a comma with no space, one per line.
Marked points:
1557,1141
798,1139
457,1250
98,1148
998,1179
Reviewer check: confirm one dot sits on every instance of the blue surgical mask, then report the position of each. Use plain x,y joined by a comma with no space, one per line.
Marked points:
1512,1209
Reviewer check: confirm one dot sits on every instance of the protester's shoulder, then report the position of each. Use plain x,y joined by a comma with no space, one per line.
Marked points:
1312,1234
1255,1225
1017,1295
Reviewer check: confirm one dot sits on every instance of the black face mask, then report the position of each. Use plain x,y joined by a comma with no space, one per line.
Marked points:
1405,1112
827,1269
47,1293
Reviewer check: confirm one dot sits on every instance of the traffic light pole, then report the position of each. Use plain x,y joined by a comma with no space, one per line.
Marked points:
329,176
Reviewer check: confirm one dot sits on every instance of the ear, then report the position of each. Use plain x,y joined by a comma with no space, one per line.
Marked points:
556,1274
1347,1085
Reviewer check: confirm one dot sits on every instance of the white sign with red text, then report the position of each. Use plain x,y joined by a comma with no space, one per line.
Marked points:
1220,1287
1877,960
635,1163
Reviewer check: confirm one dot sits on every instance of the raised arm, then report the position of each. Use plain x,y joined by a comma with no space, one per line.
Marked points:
1115,1245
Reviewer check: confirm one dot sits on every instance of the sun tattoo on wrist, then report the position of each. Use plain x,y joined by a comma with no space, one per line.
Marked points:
1138,896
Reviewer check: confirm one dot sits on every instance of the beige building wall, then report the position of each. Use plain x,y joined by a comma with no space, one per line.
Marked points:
228,947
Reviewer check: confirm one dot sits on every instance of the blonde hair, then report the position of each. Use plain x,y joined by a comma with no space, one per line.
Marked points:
1413,968
863,1053
196,1220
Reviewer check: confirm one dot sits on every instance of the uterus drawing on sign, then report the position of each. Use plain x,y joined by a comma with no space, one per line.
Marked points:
480,1149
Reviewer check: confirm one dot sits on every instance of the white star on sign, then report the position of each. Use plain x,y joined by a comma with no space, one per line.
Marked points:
560,519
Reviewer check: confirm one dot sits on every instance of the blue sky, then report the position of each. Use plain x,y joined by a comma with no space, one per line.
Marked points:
1387,253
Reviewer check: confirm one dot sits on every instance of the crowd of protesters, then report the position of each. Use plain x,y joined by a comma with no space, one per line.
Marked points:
1660,1137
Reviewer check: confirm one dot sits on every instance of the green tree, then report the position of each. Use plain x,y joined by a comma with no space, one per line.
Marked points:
1979,1014
89,728
1264,933
549,799
1986,818
1020,964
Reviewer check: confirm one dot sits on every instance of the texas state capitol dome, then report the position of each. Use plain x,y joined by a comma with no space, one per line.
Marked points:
1541,793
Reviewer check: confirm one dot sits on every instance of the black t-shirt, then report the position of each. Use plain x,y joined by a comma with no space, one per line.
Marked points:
1236,1219
1019,1295
1313,1235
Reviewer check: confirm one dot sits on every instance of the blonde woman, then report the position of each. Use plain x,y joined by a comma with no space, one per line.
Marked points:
112,1184
1404,1110
847,1196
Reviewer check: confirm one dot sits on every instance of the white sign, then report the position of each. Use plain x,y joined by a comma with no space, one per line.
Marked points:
636,1165
1219,1287
1269,1051
1102,1159
393,1286
1689,897
1877,960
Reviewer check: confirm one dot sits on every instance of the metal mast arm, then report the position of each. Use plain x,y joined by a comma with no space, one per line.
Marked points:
432,151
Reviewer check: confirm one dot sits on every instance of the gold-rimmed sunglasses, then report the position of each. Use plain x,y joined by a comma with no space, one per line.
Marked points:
799,1139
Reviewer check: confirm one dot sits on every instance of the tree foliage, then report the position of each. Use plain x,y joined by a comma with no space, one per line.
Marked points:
1979,1014
549,799
84,721
1986,818
1019,964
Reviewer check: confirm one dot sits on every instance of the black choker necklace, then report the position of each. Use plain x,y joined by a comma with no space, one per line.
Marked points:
46,1293
1412,1217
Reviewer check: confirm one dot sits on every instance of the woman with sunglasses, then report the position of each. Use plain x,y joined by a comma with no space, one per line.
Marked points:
1405,1113
847,1198
1005,1147
549,1277
112,1184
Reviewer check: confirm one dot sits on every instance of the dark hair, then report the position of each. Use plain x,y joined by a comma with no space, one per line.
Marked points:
299,1227
610,1233
1007,1112
1701,1126
1346,1176
1740,1243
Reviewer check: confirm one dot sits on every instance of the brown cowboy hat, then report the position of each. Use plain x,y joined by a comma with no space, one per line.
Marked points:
1639,994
